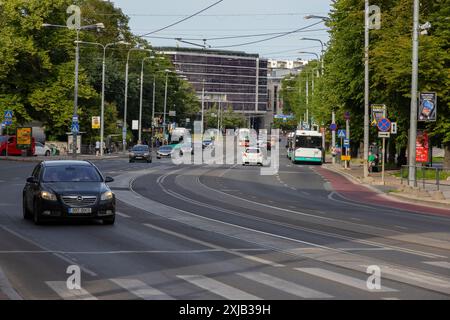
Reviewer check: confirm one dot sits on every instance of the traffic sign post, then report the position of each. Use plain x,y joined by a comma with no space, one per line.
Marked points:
384,126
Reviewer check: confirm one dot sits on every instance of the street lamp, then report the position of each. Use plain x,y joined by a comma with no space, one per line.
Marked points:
124,129
321,43
311,16
77,58
140,97
167,71
102,115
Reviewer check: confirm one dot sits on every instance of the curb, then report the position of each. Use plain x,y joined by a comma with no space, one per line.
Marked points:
36,159
394,196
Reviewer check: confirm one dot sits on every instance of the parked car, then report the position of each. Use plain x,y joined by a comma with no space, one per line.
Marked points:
252,156
164,151
42,150
140,152
186,148
68,189
10,143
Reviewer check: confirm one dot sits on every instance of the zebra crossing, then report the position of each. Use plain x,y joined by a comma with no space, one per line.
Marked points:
210,287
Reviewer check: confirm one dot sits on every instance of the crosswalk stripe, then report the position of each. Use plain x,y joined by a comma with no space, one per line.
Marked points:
284,285
60,287
442,264
343,279
218,288
141,289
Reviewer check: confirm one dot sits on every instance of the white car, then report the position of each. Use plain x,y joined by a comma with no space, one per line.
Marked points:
252,156
42,150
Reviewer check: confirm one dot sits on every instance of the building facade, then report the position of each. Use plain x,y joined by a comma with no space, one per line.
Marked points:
232,79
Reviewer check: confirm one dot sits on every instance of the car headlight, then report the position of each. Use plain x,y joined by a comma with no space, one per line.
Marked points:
131,154
108,195
48,196
146,154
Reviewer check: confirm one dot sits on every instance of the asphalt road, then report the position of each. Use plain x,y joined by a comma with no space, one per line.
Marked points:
224,232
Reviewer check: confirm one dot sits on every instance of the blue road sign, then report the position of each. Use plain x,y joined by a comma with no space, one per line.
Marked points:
346,143
384,124
341,133
7,122
333,127
8,114
75,127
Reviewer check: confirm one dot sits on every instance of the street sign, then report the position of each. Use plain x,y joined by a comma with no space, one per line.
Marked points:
378,112
345,158
172,113
135,125
347,115
341,133
333,127
75,127
7,122
384,124
393,127
383,134
8,114
346,143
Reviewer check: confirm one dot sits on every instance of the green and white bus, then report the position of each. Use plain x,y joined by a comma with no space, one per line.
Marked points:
307,147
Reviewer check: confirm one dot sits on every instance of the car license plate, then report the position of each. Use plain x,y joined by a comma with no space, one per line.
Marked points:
80,210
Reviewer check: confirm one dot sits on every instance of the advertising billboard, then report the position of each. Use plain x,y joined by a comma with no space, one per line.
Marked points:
422,146
24,135
427,106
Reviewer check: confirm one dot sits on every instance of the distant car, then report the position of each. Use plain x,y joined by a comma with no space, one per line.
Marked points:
8,145
42,150
164,152
207,143
68,189
186,148
252,156
264,144
140,152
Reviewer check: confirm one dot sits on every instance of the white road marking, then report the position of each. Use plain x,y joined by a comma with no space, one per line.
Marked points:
60,287
123,215
141,289
283,285
343,279
6,287
390,298
210,245
64,258
442,264
218,287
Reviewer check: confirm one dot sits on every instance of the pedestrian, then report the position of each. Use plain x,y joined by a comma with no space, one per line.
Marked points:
97,148
104,147
371,160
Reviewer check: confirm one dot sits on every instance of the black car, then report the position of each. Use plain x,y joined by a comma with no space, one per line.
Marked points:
140,152
68,189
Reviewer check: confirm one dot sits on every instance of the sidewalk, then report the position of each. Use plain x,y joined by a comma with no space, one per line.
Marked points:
394,188
91,157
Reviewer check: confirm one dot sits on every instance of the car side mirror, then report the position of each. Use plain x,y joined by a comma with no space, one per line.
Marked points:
109,179
31,180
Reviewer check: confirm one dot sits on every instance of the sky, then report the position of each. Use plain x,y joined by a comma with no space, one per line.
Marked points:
232,18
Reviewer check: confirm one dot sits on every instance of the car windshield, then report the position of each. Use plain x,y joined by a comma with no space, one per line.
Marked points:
252,151
140,148
71,174
165,148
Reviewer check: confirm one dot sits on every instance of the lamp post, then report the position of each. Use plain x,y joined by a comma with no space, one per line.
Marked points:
102,115
124,129
321,43
167,71
77,55
140,98
413,111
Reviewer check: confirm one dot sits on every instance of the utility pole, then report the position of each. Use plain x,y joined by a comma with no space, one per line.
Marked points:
414,88
333,134
366,89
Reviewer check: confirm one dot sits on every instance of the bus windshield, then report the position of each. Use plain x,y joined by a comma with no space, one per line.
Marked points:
308,142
